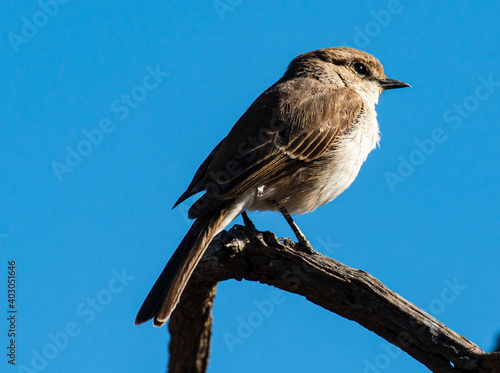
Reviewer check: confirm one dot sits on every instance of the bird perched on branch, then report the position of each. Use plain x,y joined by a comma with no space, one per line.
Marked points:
297,147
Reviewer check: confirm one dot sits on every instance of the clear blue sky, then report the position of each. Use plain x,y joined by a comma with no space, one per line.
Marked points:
109,108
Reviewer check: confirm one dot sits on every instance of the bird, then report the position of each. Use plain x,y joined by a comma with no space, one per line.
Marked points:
298,146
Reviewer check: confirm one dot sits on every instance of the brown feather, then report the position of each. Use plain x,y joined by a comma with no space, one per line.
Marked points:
168,288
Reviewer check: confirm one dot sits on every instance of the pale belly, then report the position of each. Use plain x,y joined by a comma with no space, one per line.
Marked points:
322,181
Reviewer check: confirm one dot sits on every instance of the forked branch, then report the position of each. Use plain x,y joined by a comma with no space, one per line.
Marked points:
244,253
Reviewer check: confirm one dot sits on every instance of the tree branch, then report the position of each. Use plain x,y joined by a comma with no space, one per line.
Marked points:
244,253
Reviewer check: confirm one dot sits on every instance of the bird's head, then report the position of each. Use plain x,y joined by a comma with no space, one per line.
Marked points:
348,67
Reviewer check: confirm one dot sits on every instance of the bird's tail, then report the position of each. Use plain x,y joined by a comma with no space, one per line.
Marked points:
167,290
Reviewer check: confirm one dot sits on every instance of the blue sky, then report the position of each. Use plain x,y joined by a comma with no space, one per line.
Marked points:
109,108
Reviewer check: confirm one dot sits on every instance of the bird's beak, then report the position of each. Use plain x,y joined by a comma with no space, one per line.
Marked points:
392,84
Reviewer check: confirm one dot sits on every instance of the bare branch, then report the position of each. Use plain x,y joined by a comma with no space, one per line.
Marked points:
191,328
243,253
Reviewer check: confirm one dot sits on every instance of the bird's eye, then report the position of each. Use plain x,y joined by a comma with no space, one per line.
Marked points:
360,69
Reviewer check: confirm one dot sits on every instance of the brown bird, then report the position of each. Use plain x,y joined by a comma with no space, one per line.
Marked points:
297,147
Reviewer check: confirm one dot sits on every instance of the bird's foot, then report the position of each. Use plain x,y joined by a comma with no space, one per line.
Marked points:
304,244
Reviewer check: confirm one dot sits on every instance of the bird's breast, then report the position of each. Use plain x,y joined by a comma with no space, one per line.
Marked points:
324,179
346,159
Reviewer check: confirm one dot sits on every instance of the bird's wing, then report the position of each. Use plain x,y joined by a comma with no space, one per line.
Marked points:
280,132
